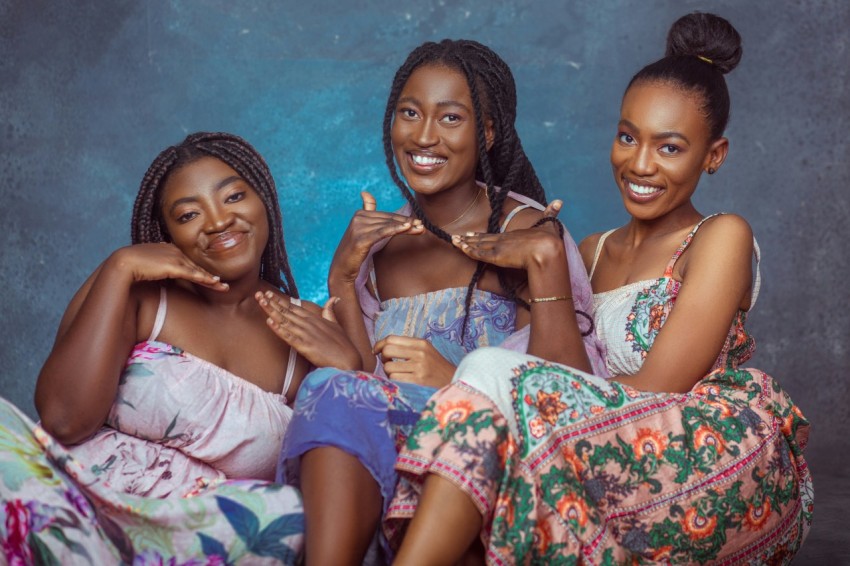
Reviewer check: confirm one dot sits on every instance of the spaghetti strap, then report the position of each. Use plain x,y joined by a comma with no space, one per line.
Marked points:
160,315
599,245
757,283
373,280
668,271
293,356
511,215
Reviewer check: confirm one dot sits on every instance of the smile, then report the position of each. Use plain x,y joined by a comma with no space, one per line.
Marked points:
642,190
426,161
226,241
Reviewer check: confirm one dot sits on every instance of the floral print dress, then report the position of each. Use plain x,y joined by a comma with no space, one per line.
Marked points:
163,482
568,468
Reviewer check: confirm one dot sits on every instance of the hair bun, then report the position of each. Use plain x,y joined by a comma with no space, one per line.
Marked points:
707,36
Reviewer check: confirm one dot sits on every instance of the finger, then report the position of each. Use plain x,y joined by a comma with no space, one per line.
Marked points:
196,274
369,202
328,310
553,209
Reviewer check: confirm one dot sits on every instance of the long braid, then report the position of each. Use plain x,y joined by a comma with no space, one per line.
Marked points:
504,165
148,225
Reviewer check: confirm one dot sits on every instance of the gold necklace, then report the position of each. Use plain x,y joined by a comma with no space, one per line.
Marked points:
462,214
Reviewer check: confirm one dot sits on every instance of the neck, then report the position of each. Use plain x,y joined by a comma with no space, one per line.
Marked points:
639,230
239,292
453,208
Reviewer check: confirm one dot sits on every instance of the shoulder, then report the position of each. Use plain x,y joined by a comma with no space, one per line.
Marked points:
587,248
724,233
524,218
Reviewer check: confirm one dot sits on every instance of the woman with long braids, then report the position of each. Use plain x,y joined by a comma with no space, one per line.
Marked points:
415,299
683,456
168,381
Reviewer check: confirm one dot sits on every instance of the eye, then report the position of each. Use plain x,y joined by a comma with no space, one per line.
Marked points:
451,118
407,113
670,149
625,138
186,217
235,197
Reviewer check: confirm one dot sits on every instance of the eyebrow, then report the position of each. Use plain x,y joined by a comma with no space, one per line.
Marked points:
218,186
441,104
659,135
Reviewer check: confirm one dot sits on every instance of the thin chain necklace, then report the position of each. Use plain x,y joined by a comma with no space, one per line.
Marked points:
462,214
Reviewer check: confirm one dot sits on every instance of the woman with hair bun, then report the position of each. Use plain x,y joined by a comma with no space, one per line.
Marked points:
683,456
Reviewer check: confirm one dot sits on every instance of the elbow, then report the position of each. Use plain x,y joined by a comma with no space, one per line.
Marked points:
65,427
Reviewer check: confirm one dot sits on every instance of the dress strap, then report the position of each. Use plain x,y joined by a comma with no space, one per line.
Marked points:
599,245
757,283
160,315
668,272
373,280
511,215
293,356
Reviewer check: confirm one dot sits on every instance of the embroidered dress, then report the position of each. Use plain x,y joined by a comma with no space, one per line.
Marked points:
163,481
369,415
568,468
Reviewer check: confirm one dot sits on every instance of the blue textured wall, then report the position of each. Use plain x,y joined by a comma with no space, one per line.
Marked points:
91,91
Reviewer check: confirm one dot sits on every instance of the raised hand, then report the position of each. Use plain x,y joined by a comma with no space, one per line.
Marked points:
414,360
154,262
523,248
318,338
367,227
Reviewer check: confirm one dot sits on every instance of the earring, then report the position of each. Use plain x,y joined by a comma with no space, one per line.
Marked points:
711,170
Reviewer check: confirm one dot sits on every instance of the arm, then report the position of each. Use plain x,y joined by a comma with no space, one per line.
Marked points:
312,331
79,380
716,276
367,228
540,252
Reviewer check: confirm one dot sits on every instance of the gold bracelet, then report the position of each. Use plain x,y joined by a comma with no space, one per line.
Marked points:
550,299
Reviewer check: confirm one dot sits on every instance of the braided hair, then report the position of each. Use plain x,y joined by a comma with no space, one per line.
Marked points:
701,48
148,225
505,167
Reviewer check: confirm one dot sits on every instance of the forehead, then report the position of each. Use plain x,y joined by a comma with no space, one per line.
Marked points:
437,83
202,175
664,107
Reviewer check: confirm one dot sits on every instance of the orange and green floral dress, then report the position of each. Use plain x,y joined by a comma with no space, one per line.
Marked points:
569,468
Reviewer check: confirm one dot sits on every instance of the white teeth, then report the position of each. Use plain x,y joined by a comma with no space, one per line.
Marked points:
641,190
424,160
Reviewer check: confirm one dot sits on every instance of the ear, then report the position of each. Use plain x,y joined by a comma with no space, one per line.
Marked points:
489,133
717,152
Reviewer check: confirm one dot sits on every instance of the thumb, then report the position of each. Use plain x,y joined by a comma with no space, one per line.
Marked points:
328,309
369,202
553,209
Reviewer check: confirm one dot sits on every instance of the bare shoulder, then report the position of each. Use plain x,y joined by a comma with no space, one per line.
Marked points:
587,248
725,233
525,218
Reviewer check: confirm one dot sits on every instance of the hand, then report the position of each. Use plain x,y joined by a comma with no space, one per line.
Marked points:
414,360
155,262
367,227
515,248
320,339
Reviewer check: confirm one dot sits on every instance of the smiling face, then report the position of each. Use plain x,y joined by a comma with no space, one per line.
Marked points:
662,147
433,132
215,218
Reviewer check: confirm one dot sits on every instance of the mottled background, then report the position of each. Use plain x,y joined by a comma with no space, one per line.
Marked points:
91,91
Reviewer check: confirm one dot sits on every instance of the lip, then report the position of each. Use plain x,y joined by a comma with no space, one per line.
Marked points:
642,197
433,163
225,241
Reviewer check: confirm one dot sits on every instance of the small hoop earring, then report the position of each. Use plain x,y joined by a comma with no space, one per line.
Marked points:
711,170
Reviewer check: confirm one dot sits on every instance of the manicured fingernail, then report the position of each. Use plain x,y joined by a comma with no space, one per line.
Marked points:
470,233
269,294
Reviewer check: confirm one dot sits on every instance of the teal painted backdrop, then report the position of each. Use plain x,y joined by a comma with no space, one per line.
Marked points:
91,91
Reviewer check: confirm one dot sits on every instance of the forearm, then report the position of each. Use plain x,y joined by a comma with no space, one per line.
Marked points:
350,317
554,332
79,380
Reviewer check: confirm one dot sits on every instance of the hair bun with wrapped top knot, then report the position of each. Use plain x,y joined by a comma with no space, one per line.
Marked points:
706,36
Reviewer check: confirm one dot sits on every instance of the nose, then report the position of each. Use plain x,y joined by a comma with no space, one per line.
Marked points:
425,134
642,162
218,219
